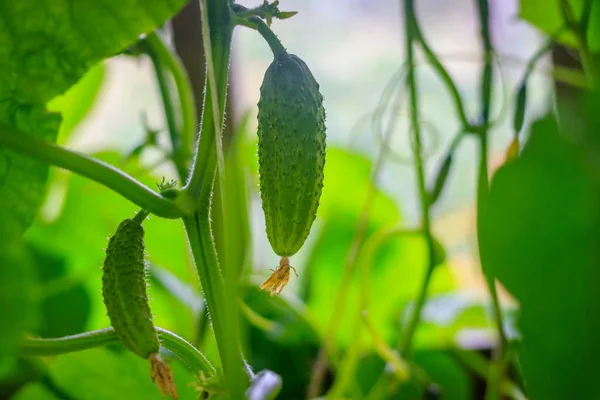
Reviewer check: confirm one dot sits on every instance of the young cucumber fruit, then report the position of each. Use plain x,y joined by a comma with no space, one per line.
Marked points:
124,290
291,153
126,300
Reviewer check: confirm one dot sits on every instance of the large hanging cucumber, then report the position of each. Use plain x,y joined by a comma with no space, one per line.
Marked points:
291,152
126,300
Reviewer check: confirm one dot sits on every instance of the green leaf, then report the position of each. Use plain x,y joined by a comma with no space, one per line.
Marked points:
17,302
26,370
46,47
65,305
290,344
76,103
547,17
451,378
541,236
102,374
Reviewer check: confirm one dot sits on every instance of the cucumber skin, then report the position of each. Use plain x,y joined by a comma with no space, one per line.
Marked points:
291,152
124,290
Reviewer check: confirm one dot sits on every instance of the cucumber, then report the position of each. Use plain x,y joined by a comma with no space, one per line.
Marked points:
291,152
126,300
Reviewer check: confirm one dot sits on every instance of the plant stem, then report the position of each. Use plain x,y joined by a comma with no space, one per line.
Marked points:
158,53
270,37
141,216
244,17
217,32
187,353
444,75
410,26
187,103
480,366
496,373
579,29
205,256
92,168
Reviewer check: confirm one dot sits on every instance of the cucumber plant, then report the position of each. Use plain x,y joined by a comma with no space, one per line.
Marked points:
40,62
124,281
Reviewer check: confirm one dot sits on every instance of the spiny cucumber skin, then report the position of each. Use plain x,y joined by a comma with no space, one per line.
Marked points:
124,290
291,152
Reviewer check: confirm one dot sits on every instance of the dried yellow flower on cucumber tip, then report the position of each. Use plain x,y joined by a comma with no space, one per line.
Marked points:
279,278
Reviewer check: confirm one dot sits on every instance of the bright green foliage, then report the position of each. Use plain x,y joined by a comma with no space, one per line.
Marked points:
124,290
542,236
291,152
17,303
65,304
45,47
547,16
104,374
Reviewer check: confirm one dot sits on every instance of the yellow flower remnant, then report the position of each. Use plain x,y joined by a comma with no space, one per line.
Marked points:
162,376
279,278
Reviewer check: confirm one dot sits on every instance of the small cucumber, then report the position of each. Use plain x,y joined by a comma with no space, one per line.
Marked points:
126,300
291,152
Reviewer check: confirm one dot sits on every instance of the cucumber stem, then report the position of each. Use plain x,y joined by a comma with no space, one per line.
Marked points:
188,354
270,36
141,216
91,168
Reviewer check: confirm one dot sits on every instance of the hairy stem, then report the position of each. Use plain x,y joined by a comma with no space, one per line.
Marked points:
89,167
217,32
244,17
270,37
187,353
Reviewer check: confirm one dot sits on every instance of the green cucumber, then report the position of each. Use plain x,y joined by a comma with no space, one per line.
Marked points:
126,300
291,152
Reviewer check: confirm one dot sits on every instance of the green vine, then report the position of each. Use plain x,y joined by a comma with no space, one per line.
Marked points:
188,354
91,168
410,26
218,31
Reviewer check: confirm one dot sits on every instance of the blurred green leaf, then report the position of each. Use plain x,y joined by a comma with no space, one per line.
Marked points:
289,348
450,377
37,391
47,47
25,370
18,303
547,17
541,237
101,374
65,304
76,102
